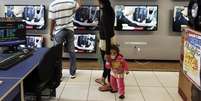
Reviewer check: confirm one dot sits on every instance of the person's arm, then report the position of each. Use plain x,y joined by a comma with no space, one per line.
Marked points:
51,21
77,5
108,65
51,27
125,65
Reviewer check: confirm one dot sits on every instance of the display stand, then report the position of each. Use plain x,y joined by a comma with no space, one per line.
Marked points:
189,76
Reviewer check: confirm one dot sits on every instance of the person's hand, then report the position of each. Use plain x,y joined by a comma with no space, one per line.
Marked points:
127,72
108,58
51,37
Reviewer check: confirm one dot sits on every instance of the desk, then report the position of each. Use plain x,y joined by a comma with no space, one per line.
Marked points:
7,87
14,76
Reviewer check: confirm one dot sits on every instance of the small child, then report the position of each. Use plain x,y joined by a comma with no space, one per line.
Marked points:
118,67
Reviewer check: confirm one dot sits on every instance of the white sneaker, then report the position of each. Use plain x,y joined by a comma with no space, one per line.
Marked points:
72,76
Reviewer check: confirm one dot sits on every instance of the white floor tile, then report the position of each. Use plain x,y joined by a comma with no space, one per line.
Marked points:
59,90
155,94
131,94
168,79
147,79
130,80
150,84
65,72
81,76
64,80
96,95
96,74
74,93
174,93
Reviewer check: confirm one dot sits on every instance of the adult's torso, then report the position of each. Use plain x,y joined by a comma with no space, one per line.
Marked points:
106,20
63,11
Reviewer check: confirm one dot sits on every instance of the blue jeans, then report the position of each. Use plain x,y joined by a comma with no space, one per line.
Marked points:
67,37
72,63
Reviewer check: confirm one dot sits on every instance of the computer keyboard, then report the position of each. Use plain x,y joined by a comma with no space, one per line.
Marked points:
10,59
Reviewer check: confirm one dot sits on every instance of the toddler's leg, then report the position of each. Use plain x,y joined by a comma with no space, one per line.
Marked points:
113,83
121,86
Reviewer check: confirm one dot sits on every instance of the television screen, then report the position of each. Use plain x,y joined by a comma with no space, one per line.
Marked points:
87,18
12,33
34,41
33,15
85,43
136,17
180,18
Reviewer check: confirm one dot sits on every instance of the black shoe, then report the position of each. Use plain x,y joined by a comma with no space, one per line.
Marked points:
112,91
121,96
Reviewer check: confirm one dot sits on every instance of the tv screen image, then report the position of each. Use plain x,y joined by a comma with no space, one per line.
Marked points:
87,17
136,17
180,18
85,43
33,15
12,33
34,41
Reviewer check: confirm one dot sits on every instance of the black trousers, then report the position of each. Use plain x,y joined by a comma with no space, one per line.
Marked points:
106,72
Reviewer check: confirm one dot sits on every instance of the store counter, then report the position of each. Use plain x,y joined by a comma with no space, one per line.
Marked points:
13,77
189,76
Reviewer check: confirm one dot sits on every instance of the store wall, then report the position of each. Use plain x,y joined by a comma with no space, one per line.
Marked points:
161,44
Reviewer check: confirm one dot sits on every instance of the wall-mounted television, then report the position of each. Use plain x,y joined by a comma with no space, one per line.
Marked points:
34,41
85,43
180,18
33,15
87,17
136,17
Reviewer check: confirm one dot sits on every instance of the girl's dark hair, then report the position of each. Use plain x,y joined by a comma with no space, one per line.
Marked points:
115,47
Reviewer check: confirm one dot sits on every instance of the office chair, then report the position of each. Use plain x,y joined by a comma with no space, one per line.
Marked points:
47,74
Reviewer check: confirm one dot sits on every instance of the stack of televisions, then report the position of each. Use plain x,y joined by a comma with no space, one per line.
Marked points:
34,18
86,26
128,18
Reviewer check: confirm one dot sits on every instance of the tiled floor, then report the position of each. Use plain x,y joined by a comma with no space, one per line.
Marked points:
140,86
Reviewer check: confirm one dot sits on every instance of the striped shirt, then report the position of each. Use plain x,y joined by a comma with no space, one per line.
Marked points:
62,11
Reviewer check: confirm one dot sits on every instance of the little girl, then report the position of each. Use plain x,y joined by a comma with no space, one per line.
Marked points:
118,67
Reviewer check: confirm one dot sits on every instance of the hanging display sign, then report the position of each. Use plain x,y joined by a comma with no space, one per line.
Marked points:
192,55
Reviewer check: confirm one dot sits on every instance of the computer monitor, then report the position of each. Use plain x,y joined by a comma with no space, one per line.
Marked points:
12,33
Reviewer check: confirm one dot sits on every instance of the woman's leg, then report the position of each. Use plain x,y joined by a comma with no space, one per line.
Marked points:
106,72
104,75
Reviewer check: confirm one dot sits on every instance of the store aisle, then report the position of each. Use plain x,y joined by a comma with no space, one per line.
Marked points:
140,86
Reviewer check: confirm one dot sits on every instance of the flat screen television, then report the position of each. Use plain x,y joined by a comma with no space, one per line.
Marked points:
12,33
85,43
136,17
87,17
180,18
33,15
34,41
